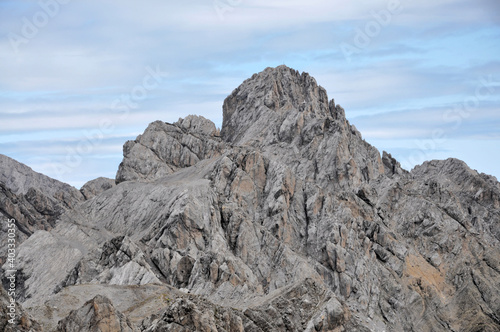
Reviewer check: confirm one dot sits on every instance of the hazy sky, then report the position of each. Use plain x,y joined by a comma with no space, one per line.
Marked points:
420,80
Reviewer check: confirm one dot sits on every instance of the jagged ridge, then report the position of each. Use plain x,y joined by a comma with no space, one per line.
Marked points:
286,220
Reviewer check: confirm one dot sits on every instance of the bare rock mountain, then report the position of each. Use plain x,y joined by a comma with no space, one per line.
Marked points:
34,200
285,220
20,179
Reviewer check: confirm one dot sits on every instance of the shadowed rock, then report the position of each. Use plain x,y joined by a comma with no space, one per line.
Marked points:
96,315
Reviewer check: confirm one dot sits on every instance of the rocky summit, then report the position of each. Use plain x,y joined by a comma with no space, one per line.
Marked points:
283,220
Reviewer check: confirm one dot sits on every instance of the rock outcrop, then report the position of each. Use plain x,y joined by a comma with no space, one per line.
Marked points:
165,148
96,187
96,315
31,211
286,220
20,179
13,318
34,200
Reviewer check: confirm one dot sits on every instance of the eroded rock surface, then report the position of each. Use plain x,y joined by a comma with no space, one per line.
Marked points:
33,200
20,179
96,187
165,148
96,315
15,319
286,220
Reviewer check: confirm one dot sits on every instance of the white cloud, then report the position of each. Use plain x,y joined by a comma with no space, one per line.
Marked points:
67,76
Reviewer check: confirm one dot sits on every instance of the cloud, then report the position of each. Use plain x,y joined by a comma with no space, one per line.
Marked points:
66,78
478,154
453,122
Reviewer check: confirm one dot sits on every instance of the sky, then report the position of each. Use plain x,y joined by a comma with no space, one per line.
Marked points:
420,80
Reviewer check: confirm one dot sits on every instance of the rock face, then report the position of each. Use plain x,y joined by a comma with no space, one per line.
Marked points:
20,179
32,211
22,321
34,200
96,187
165,148
96,315
286,220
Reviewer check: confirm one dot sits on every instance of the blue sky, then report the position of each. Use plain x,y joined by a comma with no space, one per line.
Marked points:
78,79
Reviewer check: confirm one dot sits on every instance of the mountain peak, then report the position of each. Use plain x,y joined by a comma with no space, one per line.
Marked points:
264,101
287,220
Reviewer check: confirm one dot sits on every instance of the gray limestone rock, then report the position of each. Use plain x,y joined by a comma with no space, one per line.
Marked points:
96,187
118,262
33,200
31,211
20,179
13,318
165,148
286,220
272,105
96,315
187,314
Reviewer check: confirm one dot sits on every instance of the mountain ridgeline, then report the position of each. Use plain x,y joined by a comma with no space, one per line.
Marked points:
284,220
